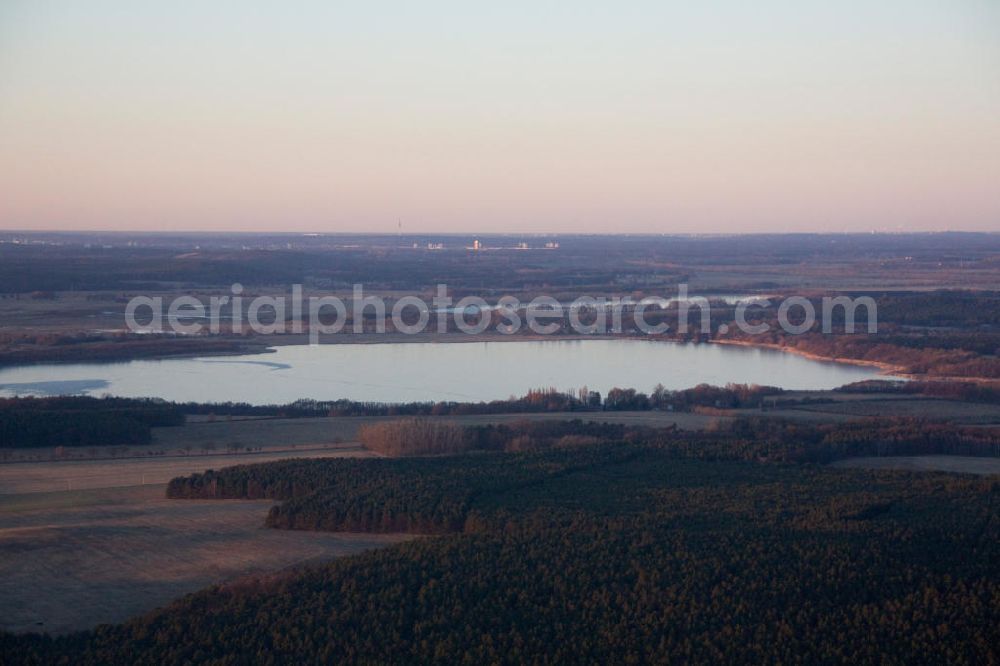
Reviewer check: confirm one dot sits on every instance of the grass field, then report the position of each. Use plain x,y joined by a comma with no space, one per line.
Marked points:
70,561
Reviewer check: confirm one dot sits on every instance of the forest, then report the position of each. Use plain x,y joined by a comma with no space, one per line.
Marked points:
82,421
440,494
617,553
745,438
964,391
944,333
21,348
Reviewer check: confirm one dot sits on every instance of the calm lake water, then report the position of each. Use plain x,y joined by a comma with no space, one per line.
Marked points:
401,372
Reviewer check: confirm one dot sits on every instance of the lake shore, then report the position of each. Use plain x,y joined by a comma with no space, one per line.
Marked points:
432,369
884,368
241,346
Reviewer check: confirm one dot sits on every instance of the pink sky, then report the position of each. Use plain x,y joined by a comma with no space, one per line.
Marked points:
246,116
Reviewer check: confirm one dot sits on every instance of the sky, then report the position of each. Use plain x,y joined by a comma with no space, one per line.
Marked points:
552,117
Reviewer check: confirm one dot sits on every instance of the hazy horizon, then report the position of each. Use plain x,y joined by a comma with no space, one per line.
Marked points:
655,118
472,233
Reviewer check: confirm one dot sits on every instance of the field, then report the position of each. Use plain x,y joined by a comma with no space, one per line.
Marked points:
41,477
84,542
70,561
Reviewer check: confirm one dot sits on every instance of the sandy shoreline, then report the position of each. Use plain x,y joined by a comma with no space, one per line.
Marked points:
885,368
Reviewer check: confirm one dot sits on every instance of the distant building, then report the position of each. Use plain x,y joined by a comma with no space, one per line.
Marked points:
476,245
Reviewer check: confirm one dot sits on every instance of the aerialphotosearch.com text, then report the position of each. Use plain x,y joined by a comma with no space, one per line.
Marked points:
319,315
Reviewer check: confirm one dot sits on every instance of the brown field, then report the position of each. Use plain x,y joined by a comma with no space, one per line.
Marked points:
961,464
54,476
71,561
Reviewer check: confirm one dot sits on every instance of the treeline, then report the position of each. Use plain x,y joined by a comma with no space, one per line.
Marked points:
412,437
544,435
82,421
964,309
642,559
751,439
730,396
942,333
964,391
919,358
535,401
24,348
420,436
774,440
747,439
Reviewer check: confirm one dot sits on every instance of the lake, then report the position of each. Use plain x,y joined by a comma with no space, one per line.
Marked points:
403,372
